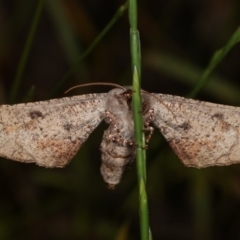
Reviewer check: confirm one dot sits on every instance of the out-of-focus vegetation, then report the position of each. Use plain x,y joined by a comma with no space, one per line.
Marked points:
178,40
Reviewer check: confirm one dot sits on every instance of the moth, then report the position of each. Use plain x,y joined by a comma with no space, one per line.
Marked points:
49,133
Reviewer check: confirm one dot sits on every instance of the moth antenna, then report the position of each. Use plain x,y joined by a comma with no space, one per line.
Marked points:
95,84
160,101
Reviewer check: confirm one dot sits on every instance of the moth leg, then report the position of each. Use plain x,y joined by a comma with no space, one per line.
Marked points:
150,131
111,119
115,135
148,118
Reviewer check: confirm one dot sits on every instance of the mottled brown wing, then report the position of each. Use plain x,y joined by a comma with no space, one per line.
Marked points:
202,134
49,133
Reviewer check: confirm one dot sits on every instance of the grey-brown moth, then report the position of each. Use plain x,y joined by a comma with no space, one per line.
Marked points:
49,133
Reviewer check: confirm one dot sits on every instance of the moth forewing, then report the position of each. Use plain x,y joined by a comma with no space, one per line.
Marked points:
202,134
49,133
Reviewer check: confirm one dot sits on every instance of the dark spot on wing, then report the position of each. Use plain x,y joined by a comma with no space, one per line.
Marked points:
218,115
67,126
35,114
185,126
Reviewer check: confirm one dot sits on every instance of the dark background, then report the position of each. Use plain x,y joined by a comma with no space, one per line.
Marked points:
178,39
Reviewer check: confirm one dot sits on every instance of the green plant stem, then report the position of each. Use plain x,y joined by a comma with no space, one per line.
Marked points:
215,60
116,16
23,60
138,120
141,157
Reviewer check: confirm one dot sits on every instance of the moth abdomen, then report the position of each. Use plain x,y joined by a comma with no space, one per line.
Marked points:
115,159
111,172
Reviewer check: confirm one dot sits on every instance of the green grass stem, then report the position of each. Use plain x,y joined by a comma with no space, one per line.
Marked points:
138,121
23,60
217,57
108,27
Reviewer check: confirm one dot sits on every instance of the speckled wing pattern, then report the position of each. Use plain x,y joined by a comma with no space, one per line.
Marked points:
202,134
49,133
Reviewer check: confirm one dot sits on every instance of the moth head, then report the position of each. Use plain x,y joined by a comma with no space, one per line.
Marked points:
118,99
